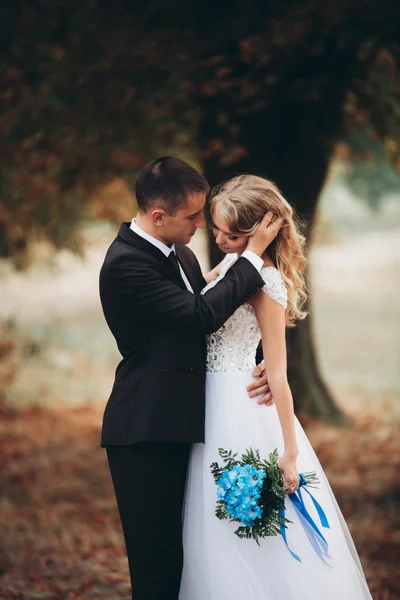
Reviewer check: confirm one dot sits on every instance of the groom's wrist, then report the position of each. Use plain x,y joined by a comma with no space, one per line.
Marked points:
255,260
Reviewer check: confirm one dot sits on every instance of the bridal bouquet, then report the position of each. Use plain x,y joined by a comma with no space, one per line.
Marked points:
250,491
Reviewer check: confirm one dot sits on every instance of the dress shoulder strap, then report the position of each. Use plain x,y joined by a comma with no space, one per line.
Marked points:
227,262
274,286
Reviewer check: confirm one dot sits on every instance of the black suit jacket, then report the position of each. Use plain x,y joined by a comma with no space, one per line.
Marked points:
160,327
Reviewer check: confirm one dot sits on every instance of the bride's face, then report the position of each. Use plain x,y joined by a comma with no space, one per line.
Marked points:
228,242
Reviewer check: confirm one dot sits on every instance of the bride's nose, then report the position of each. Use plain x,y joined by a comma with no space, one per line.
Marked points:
218,237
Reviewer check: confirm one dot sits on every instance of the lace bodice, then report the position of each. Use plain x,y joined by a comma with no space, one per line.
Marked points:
233,347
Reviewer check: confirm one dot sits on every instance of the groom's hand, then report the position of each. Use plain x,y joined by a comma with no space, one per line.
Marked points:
264,234
260,387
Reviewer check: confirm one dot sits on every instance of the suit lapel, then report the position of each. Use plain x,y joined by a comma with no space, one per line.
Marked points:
129,236
190,268
133,239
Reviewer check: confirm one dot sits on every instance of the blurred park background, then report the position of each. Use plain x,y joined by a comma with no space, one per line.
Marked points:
306,93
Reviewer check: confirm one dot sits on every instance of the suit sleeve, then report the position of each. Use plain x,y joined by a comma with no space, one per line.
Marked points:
132,291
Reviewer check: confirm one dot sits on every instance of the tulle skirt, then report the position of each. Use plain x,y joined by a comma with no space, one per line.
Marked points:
220,566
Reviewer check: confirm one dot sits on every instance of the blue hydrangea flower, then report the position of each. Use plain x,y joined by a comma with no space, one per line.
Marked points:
250,476
240,489
235,495
224,481
221,492
233,474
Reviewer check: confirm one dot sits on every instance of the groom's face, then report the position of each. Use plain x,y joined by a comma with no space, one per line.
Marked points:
181,227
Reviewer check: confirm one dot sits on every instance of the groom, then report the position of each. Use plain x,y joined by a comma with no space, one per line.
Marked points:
150,286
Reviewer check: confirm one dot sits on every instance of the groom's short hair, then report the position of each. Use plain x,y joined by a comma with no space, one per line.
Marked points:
167,182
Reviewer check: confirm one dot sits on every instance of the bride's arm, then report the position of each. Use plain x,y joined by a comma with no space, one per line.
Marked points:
271,318
213,274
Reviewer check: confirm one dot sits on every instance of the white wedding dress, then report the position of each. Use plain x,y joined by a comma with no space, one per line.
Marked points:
217,564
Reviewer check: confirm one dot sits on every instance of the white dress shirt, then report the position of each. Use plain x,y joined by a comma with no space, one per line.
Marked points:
164,249
255,260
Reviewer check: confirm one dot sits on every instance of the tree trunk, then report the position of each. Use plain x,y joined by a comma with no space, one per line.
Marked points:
308,388
291,144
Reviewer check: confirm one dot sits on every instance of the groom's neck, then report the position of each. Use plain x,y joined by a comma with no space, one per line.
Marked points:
146,224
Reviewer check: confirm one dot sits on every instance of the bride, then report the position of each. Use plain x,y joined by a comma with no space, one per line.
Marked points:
218,565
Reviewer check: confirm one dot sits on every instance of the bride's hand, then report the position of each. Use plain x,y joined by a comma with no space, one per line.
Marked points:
265,233
212,275
287,465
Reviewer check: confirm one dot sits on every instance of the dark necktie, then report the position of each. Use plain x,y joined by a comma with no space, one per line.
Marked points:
173,259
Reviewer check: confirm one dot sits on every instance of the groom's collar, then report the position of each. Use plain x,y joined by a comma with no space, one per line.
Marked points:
166,250
135,240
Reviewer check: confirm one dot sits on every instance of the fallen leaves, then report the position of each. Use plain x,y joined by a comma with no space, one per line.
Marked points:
59,527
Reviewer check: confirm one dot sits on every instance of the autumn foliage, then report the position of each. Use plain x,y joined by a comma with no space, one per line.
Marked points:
92,90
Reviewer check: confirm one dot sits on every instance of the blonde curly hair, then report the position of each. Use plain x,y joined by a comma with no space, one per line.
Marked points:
242,203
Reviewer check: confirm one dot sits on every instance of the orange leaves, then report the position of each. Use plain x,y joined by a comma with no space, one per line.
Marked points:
59,522
31,141
8,359
123,158
113,201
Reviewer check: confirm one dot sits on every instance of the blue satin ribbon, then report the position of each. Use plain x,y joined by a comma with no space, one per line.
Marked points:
283,534
315,536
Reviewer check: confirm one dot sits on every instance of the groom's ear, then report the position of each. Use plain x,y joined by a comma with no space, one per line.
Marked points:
158,216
